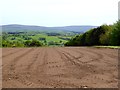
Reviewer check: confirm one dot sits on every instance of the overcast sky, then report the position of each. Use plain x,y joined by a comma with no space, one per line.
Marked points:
58,12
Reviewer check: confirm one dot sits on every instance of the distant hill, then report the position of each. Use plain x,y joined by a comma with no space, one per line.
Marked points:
16,27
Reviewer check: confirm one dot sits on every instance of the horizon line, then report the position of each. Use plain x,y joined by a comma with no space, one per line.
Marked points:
46,26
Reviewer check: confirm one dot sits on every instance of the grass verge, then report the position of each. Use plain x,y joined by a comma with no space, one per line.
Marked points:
111,47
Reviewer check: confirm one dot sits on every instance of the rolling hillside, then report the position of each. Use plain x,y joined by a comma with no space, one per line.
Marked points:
15,27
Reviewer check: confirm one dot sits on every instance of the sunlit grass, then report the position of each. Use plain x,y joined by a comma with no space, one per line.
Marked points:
107,47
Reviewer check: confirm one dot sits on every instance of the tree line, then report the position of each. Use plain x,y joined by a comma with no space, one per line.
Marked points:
28,43
108,35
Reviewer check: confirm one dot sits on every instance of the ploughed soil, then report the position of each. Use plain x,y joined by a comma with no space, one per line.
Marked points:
59,67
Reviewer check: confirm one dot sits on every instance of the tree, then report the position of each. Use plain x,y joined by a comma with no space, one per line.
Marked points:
95,36
115,34
105,37
33,43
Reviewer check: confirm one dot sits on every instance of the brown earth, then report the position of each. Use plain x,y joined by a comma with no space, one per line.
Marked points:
60,67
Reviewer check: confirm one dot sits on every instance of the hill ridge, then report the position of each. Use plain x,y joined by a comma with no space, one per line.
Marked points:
19,27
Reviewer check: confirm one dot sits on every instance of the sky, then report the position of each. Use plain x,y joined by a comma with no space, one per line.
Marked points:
58,12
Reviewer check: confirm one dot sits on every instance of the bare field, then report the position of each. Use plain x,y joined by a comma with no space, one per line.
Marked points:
59,67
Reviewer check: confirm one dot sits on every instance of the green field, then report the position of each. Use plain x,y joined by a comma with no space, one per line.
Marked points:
48,38
18,39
